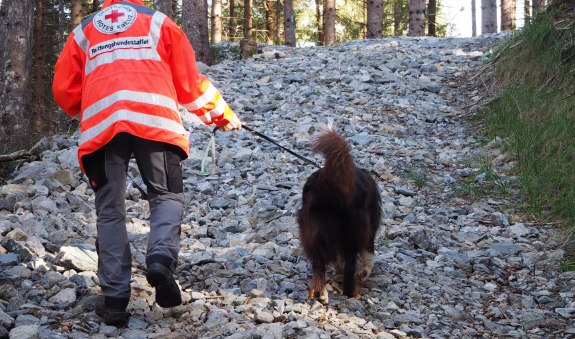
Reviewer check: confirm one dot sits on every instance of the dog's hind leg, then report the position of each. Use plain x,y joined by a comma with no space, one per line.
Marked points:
366,256
349,281
339,265
318,288
364,269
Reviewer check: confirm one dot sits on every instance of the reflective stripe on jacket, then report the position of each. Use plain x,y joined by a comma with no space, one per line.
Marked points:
125,69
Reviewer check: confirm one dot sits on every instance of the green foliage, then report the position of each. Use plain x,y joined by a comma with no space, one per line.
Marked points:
350,29
485,181
225,51
395,13
486,168
418,177
536,111
350,20
149,3
567,265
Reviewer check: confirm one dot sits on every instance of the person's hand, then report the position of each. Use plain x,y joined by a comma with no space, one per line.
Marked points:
234,124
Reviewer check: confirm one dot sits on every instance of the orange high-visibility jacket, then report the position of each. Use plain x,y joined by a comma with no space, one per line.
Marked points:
125,69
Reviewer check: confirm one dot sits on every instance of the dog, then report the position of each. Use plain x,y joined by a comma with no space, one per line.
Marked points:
339,217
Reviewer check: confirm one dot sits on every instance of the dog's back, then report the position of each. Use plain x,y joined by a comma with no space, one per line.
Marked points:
340,215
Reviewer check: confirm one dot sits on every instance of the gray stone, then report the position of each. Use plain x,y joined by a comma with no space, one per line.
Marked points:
66,178
519,230
9,259
25,332
27,319
5,320
503,249
80,259
65,297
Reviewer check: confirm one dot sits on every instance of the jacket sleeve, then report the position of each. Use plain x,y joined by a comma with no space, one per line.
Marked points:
67,85
195,91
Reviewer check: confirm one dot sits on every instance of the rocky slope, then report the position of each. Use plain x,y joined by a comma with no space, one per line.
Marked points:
454,258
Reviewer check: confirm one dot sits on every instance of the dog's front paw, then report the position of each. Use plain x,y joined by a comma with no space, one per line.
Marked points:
322,296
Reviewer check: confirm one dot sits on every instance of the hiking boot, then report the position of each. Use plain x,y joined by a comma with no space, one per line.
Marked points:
167,290
113,310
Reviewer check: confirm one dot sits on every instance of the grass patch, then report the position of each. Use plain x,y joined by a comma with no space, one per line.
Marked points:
419,178
535,110
567,265
484,182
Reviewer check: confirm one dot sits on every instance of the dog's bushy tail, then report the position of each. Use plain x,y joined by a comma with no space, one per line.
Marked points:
338,172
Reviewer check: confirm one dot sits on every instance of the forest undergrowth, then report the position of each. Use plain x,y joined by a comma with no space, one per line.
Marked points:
534,109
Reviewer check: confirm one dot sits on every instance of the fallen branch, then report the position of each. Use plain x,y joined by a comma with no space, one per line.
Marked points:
29,155
18,155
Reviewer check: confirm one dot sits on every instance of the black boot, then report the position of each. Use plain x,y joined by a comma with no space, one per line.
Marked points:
113,310
159,275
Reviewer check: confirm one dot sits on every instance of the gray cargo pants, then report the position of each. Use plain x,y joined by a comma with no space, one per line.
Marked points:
159,165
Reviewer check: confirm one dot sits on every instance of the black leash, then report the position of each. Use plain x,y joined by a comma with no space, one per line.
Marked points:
263,136
295,154
301,157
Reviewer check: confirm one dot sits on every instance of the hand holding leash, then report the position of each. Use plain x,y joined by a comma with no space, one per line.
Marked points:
233,125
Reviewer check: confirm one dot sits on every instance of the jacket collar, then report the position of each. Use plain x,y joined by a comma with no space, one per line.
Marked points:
111,2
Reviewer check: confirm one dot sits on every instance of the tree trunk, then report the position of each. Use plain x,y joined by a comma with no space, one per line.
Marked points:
195,24
363,19
62,25
216,21
279,19
175,10
473,18
374,18
95,5
397,10
527,11
508,15
270,21
416,17
248,29
289,23
232,29
432,17
77,13
319,21
164,6
38,68
488,16
328,22
16,33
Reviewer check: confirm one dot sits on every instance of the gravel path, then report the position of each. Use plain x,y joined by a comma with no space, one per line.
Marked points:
454,259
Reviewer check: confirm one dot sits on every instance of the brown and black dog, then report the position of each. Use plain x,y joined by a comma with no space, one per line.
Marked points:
339,217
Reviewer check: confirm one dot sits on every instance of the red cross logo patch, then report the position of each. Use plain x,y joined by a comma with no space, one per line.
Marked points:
115,19
114,16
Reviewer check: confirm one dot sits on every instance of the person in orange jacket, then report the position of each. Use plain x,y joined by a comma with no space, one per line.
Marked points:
122,73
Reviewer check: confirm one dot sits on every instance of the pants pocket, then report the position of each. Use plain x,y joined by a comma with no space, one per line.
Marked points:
174,171
95,166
